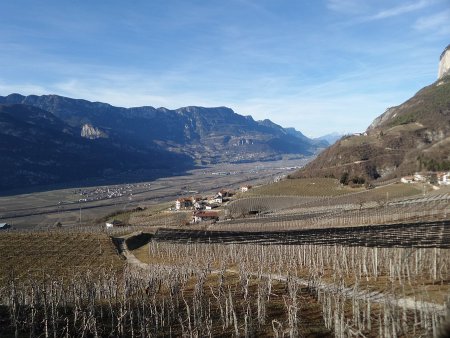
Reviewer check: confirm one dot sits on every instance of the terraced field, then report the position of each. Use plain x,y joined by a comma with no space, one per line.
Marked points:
414,235
35,255
302,187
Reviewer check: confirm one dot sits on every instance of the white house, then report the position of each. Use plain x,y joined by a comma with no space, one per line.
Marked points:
225,193
407,179
245,188
444,178
218,199
183,203
200,216
419,177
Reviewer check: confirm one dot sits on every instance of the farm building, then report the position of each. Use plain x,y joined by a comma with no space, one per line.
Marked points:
443,178
200,216
245,188
218,199
210,206
225,193
4,226
407,179
420,177
183,203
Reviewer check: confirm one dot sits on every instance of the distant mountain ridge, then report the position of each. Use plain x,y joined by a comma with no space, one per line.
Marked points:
156,138
330,138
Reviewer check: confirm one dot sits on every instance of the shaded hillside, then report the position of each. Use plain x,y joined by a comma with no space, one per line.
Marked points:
37,148
208,135
410,137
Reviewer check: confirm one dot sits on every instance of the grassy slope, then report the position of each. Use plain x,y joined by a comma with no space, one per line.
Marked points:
301,187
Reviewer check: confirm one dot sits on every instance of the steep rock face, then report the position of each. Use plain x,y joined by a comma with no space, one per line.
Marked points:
444,63
92,133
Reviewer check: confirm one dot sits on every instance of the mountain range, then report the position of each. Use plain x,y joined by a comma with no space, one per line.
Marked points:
53,139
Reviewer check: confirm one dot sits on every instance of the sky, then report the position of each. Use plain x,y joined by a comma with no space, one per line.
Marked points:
320,66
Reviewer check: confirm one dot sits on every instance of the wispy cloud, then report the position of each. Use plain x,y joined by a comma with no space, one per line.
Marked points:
400,10
346,6
439,23
372,11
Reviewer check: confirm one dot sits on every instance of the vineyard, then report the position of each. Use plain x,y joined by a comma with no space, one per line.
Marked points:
353,264
362,291
36,255
304,187
414,235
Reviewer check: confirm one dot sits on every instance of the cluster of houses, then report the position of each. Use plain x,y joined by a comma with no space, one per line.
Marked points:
200,203
202,206
441,178
109,192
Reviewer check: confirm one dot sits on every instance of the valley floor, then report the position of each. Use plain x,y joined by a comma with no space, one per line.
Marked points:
83,205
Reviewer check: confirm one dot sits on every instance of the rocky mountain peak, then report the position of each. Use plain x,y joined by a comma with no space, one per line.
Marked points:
444,63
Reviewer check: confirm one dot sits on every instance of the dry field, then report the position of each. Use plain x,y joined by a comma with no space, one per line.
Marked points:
28,255
302,187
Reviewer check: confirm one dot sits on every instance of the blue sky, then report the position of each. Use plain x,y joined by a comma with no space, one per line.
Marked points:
318,66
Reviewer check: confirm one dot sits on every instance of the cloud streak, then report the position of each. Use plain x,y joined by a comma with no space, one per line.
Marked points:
438,22
400,10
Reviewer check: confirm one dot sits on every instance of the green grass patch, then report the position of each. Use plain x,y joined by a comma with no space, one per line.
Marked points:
403,119
396,190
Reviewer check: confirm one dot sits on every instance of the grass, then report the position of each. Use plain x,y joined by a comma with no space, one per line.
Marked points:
302,187
162,218
403,119
358,140
392,191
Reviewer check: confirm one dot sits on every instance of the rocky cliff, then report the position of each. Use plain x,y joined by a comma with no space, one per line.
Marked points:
92,133
444,63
